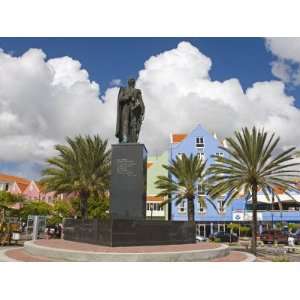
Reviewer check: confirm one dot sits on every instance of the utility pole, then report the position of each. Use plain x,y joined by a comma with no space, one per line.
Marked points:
151,210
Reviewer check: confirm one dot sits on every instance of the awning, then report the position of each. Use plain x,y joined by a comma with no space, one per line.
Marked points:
283,198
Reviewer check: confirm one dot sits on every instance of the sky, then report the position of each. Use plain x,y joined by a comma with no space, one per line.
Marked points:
51,88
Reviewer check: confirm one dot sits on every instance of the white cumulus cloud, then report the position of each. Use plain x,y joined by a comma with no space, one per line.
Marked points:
116,82
43,101
179,94
287,63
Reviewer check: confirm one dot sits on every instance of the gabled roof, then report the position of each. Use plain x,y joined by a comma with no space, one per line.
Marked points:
22,183
32,183
178,138
22,186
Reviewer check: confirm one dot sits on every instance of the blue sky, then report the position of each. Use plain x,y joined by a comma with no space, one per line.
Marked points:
108,58
37,109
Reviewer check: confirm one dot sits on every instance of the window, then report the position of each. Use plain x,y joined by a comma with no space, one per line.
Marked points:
199,142
221,206
201,209
154,207
201,191
201,155
221,154
4,186
179,155
181,207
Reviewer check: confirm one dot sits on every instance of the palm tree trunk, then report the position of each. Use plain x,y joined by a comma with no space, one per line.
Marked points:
2,220
83,205
191,209
254,218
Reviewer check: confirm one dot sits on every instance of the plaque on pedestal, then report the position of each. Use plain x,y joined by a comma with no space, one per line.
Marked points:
128,181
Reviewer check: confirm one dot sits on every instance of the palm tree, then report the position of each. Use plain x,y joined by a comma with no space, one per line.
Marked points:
185,174
249,168
82,167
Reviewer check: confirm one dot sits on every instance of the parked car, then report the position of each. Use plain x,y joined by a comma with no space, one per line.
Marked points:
224,237
274,235
200,238
297,237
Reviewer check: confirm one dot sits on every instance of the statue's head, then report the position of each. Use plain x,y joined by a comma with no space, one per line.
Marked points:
131,82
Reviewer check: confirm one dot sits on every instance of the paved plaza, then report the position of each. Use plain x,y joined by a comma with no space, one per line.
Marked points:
60,250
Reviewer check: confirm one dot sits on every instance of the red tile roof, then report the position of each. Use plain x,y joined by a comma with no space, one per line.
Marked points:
22,186
149,164
279,190
177,137
21,182
10,178
155,198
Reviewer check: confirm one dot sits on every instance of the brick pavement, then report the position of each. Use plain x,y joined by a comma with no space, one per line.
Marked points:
21,255
68,245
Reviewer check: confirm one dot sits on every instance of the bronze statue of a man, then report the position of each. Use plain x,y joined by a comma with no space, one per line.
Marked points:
130,113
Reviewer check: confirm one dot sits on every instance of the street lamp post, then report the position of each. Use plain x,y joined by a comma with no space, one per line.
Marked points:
151,210
272,220
272,211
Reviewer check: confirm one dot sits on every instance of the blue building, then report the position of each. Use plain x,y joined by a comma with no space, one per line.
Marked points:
201,142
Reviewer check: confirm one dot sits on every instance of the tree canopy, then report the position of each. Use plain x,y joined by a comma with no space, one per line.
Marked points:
81,168
251,165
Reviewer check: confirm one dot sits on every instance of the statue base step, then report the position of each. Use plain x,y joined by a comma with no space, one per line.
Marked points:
129,232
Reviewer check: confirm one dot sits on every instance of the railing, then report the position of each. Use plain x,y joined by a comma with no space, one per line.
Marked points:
284,215
272,215
155,213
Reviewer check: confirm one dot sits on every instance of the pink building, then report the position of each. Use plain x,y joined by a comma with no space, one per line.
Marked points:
27,188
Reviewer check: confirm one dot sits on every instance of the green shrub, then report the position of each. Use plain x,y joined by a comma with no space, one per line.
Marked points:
98,207
233,227
281,258
245,230
239,229
293,227
35,208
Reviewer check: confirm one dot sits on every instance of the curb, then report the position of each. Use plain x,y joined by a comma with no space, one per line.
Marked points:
4,257
250,257
88,256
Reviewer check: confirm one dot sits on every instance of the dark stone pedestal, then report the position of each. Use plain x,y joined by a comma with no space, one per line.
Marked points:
129,232
128,225
128,182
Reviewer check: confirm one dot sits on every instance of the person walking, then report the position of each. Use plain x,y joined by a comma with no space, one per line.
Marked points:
291,242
